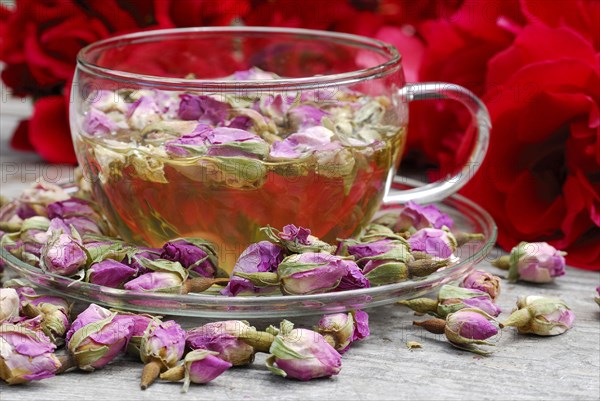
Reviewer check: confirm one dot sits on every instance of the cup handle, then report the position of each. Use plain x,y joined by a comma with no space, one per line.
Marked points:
445,187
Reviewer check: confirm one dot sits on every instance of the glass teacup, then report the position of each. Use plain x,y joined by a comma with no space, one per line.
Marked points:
216,132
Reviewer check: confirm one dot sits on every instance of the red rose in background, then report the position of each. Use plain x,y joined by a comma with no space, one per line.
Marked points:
541,179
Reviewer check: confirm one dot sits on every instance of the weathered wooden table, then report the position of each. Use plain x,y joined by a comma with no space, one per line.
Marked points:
381,368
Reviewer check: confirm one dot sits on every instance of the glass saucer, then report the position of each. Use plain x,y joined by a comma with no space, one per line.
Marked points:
468,217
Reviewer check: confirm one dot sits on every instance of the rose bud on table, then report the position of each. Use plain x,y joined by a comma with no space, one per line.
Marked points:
340,330
535,262
234,341
259,264
483,281
302,354
162,346
9,304
312,273
297,239
540,315
451,299
199,367
53,311
25,354
195,254
465,329
64,253
436,242
97,336
109,273
597,299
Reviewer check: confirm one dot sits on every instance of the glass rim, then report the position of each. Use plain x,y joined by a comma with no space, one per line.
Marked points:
393,63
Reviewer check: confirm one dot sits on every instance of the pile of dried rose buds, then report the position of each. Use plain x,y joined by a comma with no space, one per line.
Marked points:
33,326
66,235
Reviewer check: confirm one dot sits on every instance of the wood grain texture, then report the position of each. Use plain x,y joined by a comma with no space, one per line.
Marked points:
565,367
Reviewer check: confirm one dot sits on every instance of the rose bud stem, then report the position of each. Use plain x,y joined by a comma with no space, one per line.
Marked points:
201,284
67,362
174,374
150,373
435,326
424,267
518,318
463,238
421,305
418,255
502,262
259,340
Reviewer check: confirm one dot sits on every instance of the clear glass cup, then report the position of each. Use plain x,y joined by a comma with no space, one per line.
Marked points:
216,132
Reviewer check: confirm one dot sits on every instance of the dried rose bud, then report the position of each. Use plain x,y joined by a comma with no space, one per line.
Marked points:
109,273
53,312
535,262
226,338
304,116
199,367
302,354
597,299
97,337
34,200
33,236
418,217
161,348
78,213
304,143
25,354
452,298
342,329
261,257
354,279
436,242
540,315
97,122
202,108
140,324
470,327
136,255
297,239
194,254
312,273
374,232
63,254
9,304
483,281
166,276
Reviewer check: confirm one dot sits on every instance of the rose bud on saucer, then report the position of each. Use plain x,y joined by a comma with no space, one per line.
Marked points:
136,255
166,276
53,311
416,217
63,254
109,273
78,213
312,273
297,239
162,346
196,255
540,315
302,354
433,241
233,340
258,262
483,281
340,330
374,232
33,235
199,367
34,200
354,279
535,262
9,304
97,336
25,354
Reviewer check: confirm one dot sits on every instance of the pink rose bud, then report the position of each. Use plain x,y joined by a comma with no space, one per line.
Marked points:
483,281
97,337
535,262
53,312
78,213
342,329
199,367
302,354
452,298
468,328
540,315
297,239
9,304
25,354
109,273
311,273
38,197
63,253
433,241
226,338
162,346
417,217
140,324
166,276
194,254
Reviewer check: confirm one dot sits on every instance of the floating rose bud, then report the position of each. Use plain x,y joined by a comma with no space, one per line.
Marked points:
97,337
535,262
25,354
97,122
9,304
109,273
302,354
161,348
231,339
417,217
166,276
304,143
143,112
436,242
540,315
260,257
483,281
53,312
311,273
202,108
470,327
194,254
297,239
199,367
63,254
304,116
